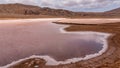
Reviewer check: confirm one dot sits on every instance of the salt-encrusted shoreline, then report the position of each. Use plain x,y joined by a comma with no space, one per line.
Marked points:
51,61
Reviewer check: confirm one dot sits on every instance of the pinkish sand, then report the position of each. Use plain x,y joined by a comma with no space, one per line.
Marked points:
88,21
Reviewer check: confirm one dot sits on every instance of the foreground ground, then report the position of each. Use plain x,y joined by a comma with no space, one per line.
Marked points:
110,59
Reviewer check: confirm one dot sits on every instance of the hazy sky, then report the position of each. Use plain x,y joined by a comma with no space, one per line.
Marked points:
74,5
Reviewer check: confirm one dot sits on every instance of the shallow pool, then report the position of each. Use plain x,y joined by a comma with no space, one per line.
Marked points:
44,38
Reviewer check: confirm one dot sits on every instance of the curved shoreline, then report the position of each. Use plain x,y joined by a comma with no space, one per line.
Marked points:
111,58
48,59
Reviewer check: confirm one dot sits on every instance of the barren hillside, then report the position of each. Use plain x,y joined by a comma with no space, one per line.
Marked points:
21,10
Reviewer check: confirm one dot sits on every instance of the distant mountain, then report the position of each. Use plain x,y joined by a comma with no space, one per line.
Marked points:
17,8
33,10
117,10
21,10
113,13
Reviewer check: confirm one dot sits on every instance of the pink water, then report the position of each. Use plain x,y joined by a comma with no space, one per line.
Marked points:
20,40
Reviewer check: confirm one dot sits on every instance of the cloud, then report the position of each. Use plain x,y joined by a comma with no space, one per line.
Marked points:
67,4
31,2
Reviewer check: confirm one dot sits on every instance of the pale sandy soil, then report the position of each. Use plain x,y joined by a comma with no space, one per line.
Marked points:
89,21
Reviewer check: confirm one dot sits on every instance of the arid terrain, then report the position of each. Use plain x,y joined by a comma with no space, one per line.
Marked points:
110,59
29,11
87,21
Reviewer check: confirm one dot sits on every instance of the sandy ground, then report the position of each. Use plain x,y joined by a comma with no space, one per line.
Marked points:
88,21
110,59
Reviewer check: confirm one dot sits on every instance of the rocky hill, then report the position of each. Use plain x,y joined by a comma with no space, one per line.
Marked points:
21,10
114,12
33,10
117,10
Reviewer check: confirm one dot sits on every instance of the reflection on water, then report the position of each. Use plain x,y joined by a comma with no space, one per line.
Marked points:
18,41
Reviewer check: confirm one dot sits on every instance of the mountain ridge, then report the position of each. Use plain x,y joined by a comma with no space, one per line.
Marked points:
116,10
25,10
